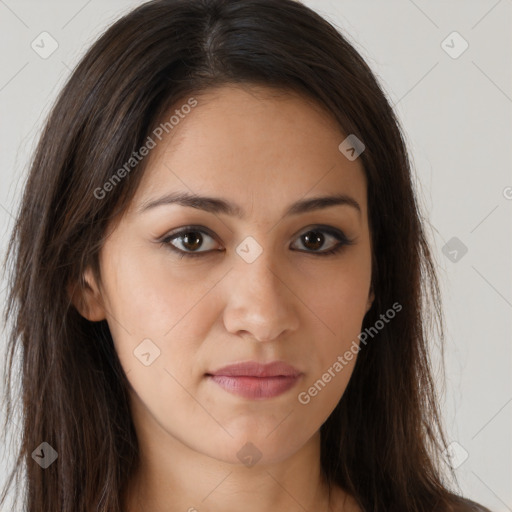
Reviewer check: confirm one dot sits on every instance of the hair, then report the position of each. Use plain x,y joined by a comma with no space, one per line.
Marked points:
383,442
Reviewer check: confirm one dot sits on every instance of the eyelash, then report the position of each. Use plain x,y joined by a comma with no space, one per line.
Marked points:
339,235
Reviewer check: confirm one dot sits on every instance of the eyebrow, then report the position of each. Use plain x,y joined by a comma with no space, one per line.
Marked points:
218,205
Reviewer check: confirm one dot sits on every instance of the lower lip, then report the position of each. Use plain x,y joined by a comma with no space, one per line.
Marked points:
256,387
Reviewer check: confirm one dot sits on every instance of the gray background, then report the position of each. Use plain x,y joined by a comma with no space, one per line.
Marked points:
456,113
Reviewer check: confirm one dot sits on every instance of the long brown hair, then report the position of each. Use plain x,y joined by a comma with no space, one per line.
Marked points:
383,442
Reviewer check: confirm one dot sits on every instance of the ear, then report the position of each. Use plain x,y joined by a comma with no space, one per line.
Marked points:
371,298
86,297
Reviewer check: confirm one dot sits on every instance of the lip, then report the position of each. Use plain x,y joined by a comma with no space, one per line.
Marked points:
255,380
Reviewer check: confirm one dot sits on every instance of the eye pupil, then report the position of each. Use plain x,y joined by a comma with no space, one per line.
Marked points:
196,240
313,242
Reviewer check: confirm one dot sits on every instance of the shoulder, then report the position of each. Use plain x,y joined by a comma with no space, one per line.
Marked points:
465,505
345,502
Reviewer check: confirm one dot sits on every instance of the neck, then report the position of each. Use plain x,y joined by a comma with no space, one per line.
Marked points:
173,476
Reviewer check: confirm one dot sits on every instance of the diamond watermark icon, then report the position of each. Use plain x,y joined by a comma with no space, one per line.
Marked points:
249,455
44,45
146,352
45,455
249,250
454,45
351,147
455,454
454,249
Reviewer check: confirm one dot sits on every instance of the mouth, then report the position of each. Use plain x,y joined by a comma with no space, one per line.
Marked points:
256,381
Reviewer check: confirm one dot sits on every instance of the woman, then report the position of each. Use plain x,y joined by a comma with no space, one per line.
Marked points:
218,277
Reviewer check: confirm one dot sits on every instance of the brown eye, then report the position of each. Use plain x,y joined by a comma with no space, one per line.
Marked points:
191,241
187,242
316,238
313,240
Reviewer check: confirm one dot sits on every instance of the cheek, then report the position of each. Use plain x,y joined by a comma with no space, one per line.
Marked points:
151,294
338,298
151,298
338,295
334,353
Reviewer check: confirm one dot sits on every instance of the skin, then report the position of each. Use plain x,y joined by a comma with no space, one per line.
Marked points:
263,150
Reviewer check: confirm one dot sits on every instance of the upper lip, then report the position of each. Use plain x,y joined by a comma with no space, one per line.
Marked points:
255,369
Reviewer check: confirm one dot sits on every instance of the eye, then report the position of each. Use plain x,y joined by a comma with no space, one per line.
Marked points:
315,238
187,241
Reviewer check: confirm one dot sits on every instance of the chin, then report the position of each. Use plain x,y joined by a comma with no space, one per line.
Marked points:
251,447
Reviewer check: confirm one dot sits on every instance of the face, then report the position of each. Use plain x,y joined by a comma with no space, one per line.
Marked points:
187,291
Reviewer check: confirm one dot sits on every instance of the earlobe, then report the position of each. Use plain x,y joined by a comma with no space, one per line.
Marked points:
86,297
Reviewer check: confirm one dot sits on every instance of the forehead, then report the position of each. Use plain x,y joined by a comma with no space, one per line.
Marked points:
255,146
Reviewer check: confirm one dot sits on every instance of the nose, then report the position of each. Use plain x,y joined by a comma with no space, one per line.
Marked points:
260,302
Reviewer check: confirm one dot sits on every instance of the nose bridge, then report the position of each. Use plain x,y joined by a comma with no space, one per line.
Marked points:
262,278
259,301
257,263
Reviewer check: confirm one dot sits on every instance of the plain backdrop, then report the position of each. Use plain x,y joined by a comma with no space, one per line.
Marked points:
452,93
